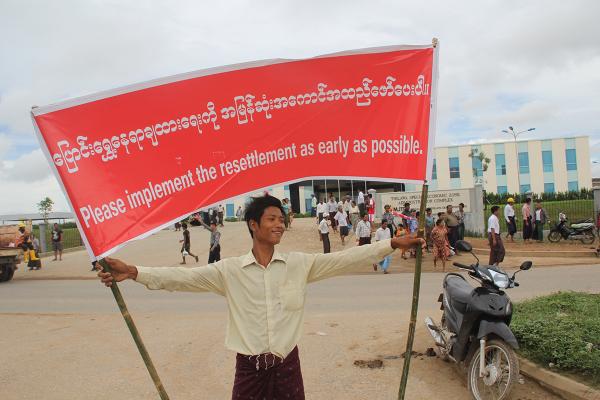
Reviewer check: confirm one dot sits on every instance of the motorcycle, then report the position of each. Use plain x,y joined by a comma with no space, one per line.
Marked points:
474,329
583,231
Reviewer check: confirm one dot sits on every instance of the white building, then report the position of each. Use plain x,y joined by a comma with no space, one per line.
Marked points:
545,165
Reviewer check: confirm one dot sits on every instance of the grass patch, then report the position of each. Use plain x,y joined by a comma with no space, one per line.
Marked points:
562,329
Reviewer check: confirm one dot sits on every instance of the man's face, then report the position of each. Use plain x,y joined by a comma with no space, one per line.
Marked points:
213,227
448,209
384,225
365,217
461,207
271,228
55,226
538,205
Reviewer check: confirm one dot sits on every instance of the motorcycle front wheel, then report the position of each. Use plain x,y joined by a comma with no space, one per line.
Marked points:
554,236
588,237
500,374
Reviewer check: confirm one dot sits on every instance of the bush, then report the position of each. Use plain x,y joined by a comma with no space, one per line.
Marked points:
562,329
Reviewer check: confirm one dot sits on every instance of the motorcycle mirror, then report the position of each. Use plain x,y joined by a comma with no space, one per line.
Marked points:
526,265
463,245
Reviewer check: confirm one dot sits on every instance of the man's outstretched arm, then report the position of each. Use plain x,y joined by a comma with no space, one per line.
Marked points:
199,279
327,265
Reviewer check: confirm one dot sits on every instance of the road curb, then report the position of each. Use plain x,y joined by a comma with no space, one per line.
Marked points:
558,384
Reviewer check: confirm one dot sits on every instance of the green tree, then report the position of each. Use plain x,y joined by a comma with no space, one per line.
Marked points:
483,158
45,208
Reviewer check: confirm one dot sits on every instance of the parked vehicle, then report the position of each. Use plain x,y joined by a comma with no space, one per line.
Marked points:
582,231
10,254
475,321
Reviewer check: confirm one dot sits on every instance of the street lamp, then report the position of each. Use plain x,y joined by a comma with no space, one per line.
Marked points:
511,131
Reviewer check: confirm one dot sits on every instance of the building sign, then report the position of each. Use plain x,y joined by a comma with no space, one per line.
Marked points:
436,199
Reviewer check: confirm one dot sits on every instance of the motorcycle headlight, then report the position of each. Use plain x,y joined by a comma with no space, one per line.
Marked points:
500,279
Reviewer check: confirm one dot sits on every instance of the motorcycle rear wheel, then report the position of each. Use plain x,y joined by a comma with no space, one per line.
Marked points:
554,237
588,237
502,368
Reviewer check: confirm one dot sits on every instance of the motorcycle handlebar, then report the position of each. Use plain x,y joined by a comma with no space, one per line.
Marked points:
463,266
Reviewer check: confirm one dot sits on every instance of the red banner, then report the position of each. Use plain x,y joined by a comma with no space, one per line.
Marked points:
135,159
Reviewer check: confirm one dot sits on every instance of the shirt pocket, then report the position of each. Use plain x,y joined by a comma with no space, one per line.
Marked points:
292,296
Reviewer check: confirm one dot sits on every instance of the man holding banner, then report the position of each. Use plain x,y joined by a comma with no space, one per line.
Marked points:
265,293
163,149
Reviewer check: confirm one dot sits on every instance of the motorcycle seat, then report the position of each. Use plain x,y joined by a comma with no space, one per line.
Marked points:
458,288
582,225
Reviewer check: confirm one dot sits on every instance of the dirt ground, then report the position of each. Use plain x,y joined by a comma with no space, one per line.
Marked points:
92,357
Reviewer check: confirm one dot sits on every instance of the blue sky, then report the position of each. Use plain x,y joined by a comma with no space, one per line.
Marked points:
525,64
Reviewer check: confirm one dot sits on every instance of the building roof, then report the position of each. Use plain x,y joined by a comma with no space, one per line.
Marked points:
499,141
36,216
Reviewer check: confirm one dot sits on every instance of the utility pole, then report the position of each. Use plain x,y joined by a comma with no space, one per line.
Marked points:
511,131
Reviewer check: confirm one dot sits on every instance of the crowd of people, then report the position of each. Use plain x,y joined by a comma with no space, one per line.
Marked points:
348,216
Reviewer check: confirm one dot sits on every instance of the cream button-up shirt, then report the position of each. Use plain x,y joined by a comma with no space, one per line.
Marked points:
265,305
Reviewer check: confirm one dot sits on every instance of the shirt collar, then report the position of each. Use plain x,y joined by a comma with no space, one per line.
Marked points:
249,258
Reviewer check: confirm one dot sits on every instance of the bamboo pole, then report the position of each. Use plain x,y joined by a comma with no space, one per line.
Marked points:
415,300
136,335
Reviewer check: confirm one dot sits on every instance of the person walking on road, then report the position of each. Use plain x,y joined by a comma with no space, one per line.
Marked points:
321,210
57,245
220,214
185,248
371,208
239,213
452,226
439,237
332,207
360,201
509,216
539,221
341,220
266,293
354,215
495,240
363,231
460,216
527,221
324,234
383,233
313,205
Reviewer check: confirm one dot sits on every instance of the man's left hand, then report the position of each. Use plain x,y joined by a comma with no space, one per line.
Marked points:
406,243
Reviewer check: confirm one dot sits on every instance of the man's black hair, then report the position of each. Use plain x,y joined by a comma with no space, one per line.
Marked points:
495,208
256,208
528,200
428,209
184,225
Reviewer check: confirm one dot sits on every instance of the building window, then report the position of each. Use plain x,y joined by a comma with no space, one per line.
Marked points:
573,186
434,171
524,163
547,160
502,190
525,188
454,167
571,155
548,187
500,165
477,166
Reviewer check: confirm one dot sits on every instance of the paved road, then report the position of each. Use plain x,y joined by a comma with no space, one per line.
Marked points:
64,339
347,293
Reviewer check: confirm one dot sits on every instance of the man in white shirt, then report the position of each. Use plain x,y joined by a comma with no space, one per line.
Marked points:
383,233
363,231
360,201
313,205
342,221
321,210
332,207
265,293
220,214
324,234
509,216
495,240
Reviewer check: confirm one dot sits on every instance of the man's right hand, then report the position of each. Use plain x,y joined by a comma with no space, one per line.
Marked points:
119,271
